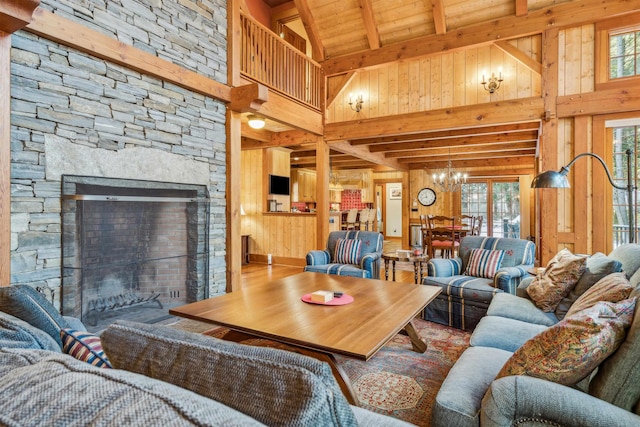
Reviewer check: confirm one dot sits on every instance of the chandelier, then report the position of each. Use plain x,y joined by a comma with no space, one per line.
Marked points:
449,180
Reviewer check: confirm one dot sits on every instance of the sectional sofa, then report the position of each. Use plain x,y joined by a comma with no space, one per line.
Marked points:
608,396
148,375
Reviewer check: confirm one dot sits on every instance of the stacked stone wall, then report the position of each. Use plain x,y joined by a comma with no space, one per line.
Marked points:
65,102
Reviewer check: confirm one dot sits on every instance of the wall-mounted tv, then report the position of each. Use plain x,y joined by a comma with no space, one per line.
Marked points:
279,185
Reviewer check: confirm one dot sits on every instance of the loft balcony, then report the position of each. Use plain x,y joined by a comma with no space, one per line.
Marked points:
271,61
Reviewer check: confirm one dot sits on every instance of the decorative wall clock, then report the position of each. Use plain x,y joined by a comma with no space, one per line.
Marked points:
426,196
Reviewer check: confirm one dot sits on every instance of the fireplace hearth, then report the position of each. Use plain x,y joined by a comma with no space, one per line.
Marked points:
132,249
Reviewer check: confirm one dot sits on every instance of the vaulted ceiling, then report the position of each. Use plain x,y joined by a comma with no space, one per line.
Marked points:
352,35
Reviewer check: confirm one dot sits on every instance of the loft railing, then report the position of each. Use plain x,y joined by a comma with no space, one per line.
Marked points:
269,60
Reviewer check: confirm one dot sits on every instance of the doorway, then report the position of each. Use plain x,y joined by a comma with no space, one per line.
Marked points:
393,210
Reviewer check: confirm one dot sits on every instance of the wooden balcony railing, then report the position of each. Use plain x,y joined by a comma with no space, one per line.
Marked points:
269,60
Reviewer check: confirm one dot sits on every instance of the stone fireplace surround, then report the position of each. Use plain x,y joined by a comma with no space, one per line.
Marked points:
73,113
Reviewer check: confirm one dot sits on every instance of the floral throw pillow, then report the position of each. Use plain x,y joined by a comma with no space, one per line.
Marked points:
613,288
568,351
560,276
484,263
347,251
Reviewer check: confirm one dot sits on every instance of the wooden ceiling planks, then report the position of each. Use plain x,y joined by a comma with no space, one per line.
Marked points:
361,36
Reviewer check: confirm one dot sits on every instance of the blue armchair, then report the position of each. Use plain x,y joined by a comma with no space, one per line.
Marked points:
366,265
465,298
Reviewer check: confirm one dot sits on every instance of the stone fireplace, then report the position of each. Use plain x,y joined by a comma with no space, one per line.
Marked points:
132,249
74,114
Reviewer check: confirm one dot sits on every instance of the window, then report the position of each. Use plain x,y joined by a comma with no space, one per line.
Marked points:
624,137
624,54
498,202
617,51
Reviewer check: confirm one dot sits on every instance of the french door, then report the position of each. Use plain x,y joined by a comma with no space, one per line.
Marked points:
497,201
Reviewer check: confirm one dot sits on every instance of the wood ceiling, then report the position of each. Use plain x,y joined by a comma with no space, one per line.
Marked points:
347,34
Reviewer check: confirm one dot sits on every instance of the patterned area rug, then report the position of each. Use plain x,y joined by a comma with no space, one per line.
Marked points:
397,381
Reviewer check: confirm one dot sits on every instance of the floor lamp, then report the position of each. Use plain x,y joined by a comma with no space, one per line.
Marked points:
553,179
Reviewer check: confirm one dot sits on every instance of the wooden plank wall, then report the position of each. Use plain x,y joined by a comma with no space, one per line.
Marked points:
442,81
288,237
576,65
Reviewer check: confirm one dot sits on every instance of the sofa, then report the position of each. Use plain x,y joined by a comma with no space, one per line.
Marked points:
135,374
482,388
348,253
467,292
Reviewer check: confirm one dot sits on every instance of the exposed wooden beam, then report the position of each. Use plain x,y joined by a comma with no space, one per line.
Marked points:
475,131
84,39
526,161
600,102
522,7
250,134
311,28
370,24
439,19
16,14
443,159
249,97
519,56
457,142
363,153
5,159
520,110
482,148
253,138
496,173
555,16
281,109
336,83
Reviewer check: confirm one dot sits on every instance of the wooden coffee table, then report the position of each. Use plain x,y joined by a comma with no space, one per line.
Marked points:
275,311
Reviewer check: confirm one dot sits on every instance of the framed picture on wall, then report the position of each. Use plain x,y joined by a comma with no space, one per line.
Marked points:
395,192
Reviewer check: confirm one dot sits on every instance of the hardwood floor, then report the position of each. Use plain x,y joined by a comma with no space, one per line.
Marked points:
254,272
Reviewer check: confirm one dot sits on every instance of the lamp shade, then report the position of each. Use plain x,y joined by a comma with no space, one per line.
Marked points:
550,179
255,122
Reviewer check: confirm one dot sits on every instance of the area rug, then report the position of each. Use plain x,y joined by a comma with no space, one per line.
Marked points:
397,381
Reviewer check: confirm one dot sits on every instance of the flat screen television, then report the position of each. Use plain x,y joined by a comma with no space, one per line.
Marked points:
279,185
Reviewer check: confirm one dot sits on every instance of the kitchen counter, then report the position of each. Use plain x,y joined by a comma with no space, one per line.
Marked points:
289,213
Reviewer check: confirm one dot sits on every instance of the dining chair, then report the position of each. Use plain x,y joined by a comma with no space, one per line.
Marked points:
352,219
424,233
371,220
468,221
441,234
363,215
477,228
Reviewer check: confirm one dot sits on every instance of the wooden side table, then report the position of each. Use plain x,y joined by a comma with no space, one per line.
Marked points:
245,249
417,261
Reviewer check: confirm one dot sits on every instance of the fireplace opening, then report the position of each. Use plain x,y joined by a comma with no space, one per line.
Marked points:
132,249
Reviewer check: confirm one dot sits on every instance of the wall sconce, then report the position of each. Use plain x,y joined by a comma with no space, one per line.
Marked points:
358,103
255,122
494,82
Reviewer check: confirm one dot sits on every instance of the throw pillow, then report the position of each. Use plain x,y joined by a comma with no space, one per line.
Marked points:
613,288
347,251
559,277
598,266
275,387
25,303
84,346
16,333
484,263
568,351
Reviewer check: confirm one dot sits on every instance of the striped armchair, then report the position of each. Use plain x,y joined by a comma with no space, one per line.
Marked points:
364,262
465,298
